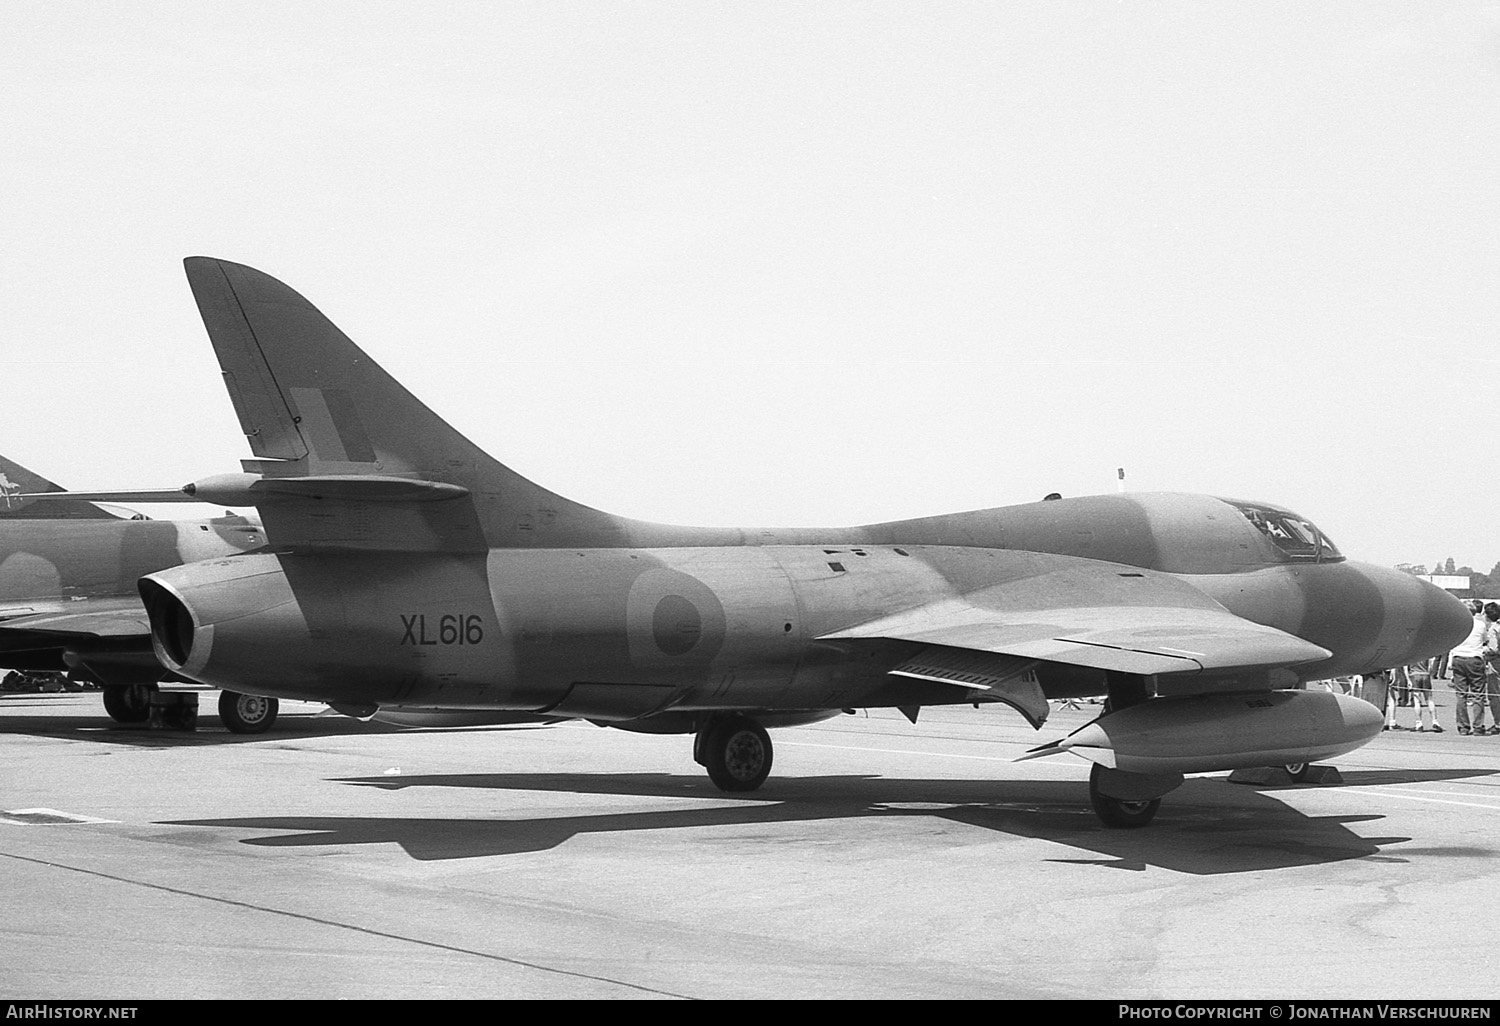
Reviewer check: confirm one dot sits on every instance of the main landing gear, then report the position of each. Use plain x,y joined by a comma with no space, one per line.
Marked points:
241,714
1119,812
1300,772
247,714
735,750
128,703
1127,800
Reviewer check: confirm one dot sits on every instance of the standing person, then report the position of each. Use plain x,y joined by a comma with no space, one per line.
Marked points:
1467,664
1492,666
1375,688
1395,695
1421,676
1414,680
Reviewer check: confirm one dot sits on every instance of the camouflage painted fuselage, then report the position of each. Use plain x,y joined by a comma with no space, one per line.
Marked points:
407,565
702,619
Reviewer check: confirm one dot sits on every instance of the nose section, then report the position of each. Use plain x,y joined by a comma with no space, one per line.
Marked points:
1420,620
1445,622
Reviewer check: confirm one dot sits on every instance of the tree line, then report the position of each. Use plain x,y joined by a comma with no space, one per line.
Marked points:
1480,585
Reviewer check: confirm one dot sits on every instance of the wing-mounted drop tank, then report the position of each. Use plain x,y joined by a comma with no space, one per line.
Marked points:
1205,733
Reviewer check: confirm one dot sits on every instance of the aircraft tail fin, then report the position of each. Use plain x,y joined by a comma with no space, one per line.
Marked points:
16,482
314,405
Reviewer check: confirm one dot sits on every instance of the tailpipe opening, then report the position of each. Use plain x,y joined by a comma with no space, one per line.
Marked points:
172,625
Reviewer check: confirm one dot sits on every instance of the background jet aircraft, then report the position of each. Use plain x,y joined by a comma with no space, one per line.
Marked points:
69,600
406,566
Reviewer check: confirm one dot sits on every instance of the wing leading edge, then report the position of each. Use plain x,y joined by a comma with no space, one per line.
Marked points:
1103,617
93,619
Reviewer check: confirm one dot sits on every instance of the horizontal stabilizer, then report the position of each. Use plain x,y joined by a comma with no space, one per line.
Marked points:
350,487
254,490
151,495
20,488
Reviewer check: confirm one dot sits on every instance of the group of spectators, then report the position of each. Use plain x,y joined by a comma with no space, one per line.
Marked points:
1475,669
1476,675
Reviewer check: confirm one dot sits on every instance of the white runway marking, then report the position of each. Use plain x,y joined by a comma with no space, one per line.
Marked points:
1411,796
42,817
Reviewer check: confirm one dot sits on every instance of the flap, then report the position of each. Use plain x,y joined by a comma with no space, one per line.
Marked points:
1002,678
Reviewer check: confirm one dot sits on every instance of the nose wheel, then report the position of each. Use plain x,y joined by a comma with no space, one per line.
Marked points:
736,751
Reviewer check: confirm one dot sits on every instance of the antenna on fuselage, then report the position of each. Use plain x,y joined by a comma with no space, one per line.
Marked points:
1121,472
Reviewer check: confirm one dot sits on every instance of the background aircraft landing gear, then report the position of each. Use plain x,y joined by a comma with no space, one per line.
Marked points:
128,703
1298,771
736,751
1116,812
247,714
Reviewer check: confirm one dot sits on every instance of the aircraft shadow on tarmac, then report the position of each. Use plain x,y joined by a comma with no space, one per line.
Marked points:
34,715
1206,827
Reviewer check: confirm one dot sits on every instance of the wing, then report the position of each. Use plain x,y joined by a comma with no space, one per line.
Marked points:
108,640
1097,615
95,619
1147,640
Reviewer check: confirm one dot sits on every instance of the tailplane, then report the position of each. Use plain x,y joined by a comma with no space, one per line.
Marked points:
18,485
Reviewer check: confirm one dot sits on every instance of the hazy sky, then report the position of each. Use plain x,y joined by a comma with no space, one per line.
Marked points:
790,264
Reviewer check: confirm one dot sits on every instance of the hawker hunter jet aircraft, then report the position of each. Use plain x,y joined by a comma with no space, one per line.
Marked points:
404,566
69,600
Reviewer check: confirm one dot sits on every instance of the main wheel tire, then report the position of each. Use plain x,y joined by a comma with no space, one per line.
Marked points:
128,703
737,754
247,714
1298,771
1116,812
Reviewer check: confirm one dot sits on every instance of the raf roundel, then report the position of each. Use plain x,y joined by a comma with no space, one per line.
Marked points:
676,625
672,619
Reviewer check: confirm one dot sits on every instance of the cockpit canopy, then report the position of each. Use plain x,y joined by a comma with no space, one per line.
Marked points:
1299,538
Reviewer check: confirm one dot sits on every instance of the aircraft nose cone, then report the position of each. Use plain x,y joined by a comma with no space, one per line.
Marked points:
1445,622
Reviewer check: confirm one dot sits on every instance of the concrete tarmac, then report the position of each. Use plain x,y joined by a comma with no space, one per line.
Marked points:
337,859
